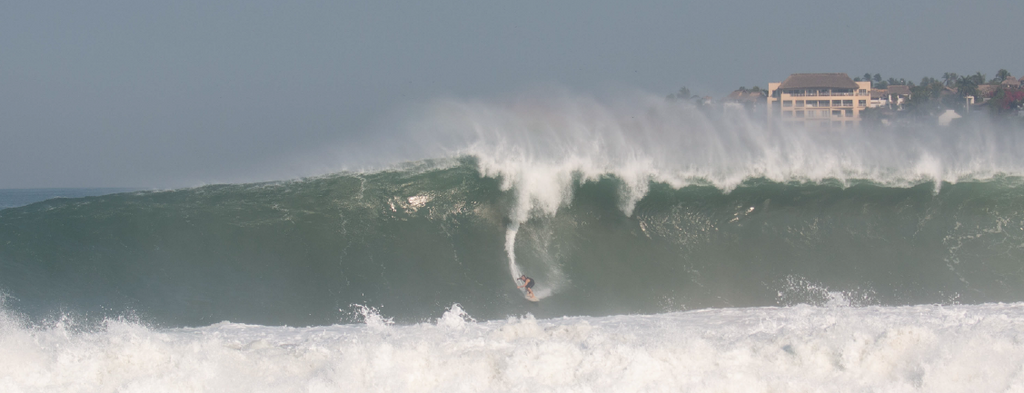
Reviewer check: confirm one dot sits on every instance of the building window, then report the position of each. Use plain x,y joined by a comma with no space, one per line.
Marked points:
823,103
847,102
810,113
837,113
837,103
824,113
787,103
823,92
799,113
799,103
849,113
862,103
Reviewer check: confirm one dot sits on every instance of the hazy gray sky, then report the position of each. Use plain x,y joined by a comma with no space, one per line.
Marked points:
181,93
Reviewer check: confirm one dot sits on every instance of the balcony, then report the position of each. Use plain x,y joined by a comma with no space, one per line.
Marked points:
823,93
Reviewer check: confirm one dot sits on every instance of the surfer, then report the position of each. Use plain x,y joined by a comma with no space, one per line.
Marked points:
528,283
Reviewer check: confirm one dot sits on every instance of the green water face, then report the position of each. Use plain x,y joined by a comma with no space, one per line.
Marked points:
413,242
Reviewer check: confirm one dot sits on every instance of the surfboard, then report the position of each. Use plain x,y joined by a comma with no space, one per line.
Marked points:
532,298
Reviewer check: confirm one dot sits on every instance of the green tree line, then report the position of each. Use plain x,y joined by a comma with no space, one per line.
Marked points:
950,91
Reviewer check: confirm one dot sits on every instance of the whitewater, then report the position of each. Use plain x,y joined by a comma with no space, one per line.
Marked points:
675,248
793,349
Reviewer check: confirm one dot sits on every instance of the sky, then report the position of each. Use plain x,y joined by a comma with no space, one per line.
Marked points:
184,93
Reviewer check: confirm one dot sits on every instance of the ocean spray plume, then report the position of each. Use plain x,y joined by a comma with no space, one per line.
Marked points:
542,145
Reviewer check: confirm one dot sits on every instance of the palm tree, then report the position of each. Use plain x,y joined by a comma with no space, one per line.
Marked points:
894,81
967,86
978,78
683,94
1002,75
949,78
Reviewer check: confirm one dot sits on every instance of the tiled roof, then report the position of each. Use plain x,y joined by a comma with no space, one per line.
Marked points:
985,90
819,81
746,97
899,89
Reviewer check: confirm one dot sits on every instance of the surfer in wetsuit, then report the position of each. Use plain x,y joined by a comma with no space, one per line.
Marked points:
528,283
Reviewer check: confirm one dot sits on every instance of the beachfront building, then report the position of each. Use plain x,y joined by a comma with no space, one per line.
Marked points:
898,94
824,101
1010,83
879,98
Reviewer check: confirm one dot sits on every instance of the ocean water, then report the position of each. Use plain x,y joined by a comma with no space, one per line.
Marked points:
25,196
673,249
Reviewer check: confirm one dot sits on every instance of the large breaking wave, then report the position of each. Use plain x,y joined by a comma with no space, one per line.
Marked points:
411,241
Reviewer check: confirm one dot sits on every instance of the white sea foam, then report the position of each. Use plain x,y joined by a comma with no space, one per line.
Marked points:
976,348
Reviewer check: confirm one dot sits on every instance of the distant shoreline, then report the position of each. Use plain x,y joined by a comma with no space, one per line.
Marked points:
18,197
